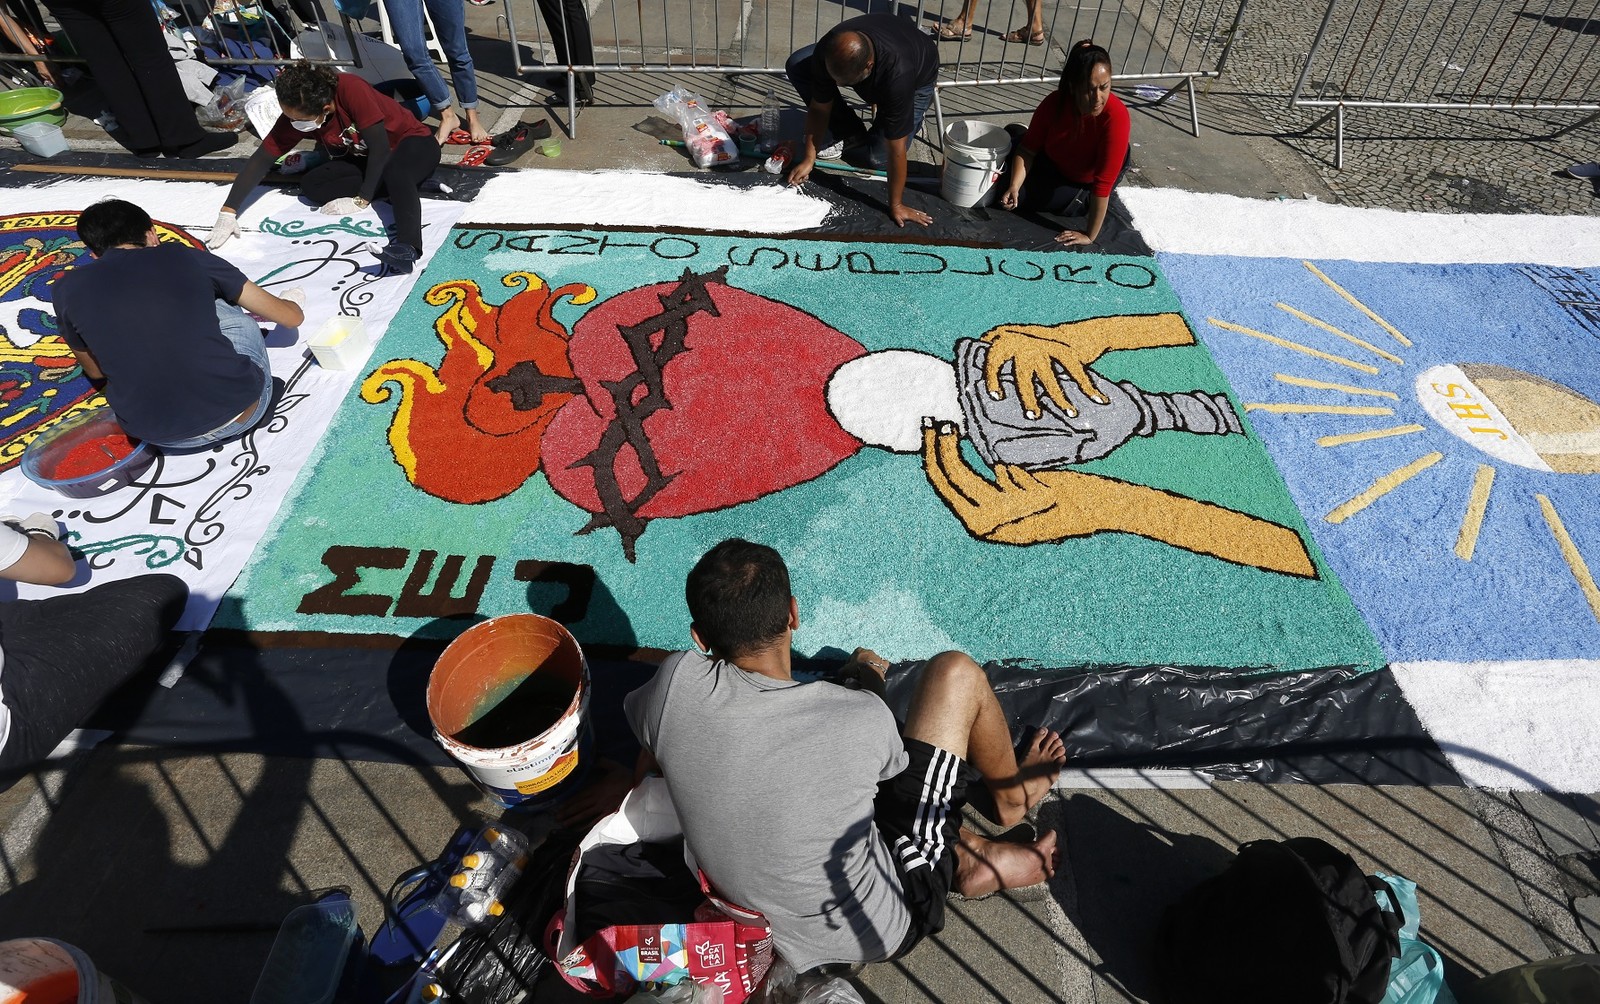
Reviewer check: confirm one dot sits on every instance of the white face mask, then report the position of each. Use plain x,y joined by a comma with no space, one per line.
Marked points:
311,125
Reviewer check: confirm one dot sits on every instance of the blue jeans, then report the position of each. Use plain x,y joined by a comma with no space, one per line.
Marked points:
843,122
450,23
245,334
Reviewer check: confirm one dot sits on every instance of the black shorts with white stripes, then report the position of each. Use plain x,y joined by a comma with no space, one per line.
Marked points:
918,812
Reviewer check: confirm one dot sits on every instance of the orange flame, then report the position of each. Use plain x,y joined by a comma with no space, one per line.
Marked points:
457,437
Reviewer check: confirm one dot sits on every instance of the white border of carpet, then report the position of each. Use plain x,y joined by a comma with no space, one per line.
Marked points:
1523,725
1200,223
640,199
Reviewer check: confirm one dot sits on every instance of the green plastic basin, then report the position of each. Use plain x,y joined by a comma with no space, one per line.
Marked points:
55,118
27,104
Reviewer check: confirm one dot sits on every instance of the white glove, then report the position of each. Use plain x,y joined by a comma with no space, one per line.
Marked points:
295,295
225,229
39,524
347,206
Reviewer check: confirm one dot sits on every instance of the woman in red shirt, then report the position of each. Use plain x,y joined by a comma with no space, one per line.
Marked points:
374,145
1082,131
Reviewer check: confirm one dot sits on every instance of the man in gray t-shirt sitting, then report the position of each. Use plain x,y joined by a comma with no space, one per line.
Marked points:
804,801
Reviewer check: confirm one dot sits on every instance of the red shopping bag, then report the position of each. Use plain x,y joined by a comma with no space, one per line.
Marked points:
722,944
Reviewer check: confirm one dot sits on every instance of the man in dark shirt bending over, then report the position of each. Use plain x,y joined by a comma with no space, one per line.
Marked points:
891,64
164,325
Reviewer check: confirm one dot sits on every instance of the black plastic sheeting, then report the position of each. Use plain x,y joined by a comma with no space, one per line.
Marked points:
858,209
362,703
1327,726
358,703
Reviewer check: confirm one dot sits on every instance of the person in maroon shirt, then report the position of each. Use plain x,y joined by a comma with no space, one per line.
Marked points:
374,145
1081,128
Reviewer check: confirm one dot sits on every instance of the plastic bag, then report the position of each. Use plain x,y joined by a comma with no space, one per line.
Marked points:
785,986
686,992
1567,978
1416,975
707,141
499,962
226,110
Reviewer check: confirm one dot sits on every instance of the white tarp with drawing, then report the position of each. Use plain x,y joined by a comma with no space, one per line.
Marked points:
196,515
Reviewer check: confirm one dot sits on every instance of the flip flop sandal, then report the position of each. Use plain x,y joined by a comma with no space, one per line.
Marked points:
949,34
476,156
459,137
1022,35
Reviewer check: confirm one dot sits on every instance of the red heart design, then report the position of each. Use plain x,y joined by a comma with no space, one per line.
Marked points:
746,414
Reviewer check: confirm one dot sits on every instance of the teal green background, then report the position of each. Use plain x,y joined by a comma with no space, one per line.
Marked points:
875,557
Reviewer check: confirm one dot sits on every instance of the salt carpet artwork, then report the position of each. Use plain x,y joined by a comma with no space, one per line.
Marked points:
1433,410
199,514
567,418
1438,426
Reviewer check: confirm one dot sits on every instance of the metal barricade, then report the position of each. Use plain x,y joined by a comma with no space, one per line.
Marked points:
1451,54
1178,40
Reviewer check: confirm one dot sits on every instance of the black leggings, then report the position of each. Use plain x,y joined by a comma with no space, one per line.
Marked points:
574,44
411,163
66,654
1046,190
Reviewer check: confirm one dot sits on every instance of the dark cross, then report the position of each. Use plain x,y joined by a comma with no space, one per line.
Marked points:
528,386
691,296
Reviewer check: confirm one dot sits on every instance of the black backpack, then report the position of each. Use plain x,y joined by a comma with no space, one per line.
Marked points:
1289,922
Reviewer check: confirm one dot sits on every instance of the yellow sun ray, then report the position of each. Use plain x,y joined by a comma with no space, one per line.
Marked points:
1569,552
1385,325
1294,346
1342,387
1318,409
1369,435
1383,486
1477,505
1330,329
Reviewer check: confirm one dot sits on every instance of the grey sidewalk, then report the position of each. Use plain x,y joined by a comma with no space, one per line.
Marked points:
144,854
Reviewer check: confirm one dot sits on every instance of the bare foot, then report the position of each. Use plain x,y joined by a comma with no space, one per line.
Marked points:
475,127
1040,765
984,866
449,122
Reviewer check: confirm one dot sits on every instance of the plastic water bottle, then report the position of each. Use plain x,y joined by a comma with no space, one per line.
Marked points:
769,122
493,862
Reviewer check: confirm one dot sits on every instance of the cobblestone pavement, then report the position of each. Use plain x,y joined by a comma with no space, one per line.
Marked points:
1422,159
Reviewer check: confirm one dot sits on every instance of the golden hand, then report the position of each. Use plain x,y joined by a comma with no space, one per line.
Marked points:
1034,349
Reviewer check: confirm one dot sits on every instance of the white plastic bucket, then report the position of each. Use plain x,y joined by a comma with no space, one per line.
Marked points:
509,699
46,971
974,155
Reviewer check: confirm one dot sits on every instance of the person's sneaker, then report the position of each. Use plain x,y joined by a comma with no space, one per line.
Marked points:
558,95
833,152
534,130
397,255
516,141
